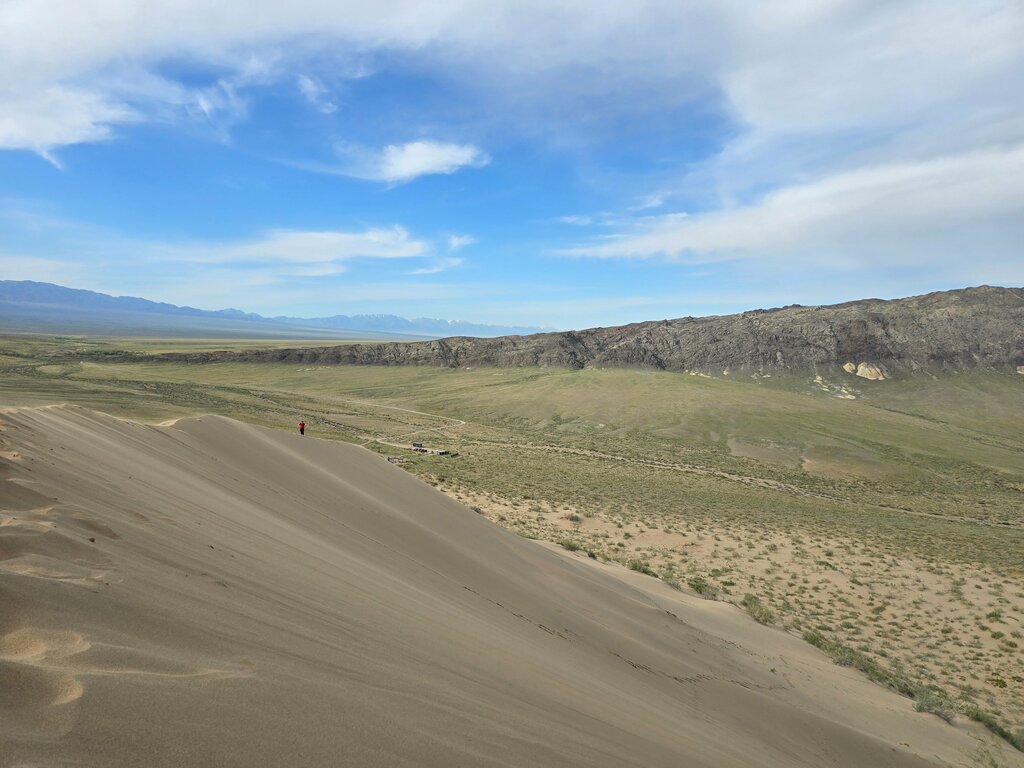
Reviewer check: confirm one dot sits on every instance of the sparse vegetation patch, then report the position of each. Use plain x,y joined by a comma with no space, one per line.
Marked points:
889,529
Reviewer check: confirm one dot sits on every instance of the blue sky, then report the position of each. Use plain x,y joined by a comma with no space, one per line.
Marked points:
562,164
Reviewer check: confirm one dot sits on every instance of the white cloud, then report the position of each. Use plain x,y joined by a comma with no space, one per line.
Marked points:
843,122
439,266
282,270
27,118
399,163
654,200
576,220
57,115
455,242
315,93
76,250
306,247
497,50
329,269
892,214
783,68
806,68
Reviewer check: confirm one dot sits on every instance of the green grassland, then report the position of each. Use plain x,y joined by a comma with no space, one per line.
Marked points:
813,508
44,344
941,459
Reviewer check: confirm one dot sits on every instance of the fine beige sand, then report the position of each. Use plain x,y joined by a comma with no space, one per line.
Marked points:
208,593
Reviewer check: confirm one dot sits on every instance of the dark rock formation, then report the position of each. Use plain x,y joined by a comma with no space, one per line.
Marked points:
948,331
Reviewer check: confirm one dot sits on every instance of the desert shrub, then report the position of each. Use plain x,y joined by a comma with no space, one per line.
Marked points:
845,656
641,566
701,586
937,704
758,611
989,721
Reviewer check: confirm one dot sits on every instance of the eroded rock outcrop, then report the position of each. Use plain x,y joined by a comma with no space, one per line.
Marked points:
870,372
949,331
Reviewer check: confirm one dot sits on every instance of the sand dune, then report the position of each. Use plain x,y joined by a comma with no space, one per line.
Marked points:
207,593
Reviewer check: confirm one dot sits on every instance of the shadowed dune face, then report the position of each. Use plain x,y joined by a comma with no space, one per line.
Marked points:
211,593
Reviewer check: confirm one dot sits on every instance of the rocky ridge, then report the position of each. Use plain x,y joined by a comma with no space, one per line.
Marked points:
943,332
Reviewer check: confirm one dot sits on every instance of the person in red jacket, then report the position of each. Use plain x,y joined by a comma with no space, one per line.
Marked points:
302,427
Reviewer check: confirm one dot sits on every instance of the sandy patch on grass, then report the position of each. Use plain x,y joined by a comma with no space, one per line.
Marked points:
955,626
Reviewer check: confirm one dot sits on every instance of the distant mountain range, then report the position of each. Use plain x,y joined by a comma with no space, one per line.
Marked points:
944,332
29,306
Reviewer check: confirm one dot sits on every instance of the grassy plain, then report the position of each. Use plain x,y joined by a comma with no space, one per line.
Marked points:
888,529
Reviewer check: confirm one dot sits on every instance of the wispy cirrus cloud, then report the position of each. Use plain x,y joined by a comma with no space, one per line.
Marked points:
576,220
303,247
401,163
316,94
457,242
836,134
37,246
26,119
58,115
851,70
781,67
453,243
441,265
653,200
278,271
894,214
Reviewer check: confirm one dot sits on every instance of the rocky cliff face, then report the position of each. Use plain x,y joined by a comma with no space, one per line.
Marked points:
949,331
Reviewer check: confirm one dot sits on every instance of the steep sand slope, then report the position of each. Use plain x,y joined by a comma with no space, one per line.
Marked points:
208,593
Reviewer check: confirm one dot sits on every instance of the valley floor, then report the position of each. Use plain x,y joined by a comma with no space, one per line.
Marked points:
887,529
